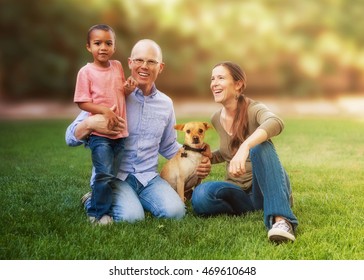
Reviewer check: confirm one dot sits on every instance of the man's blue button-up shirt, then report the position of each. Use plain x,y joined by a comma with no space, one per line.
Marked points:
151,121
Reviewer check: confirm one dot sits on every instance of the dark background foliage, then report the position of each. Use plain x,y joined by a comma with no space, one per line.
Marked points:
296,48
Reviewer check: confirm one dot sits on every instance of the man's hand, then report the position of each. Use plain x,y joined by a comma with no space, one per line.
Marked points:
101,124
204,168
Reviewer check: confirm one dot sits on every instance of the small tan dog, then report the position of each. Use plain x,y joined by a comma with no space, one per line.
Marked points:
180,171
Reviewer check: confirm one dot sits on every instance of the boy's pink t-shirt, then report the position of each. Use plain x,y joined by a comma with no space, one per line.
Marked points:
103,86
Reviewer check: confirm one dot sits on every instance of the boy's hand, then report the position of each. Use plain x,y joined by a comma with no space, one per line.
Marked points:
113,119
130,85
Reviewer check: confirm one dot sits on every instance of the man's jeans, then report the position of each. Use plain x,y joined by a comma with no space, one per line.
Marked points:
106,157
131,198
270,190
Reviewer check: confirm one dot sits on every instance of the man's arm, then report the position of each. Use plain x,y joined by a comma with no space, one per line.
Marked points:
71,138
169,146
99,109
84,125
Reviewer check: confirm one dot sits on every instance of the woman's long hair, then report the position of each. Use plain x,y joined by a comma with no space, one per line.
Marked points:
240,124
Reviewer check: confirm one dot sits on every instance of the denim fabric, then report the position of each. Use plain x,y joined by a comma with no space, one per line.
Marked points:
157,197
106,156
270,190
151,121
131,198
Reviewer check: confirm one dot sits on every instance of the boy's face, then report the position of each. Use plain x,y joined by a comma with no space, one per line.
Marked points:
101,46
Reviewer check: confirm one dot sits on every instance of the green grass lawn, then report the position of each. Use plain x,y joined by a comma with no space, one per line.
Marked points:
42,180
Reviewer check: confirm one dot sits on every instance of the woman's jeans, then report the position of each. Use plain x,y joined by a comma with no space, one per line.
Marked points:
106,158
131,198
270,190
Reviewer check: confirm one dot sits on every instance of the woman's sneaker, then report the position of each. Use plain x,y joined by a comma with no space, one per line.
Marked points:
281,231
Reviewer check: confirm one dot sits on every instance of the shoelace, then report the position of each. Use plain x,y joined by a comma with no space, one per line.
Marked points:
282,225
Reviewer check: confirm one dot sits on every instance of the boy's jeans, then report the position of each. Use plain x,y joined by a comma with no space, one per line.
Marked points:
106,157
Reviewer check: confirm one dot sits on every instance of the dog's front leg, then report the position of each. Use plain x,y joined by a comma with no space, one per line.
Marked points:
181,188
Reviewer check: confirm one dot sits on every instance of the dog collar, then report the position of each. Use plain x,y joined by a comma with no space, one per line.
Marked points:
188,148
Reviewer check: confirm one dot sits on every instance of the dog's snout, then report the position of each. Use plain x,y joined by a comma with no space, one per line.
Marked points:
196,139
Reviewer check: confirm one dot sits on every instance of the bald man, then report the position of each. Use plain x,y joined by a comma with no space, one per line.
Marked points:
151,121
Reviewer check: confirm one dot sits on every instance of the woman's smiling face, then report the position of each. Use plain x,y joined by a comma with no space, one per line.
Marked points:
222,84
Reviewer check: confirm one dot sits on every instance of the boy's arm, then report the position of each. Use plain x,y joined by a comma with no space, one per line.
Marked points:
130,85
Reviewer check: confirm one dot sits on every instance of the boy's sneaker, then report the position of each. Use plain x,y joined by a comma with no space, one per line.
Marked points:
92,220
281,231
85,197
105,220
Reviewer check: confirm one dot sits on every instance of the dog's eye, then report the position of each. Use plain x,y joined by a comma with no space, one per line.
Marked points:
200,131
188,131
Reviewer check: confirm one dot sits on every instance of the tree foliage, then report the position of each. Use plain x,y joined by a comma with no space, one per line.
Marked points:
290,47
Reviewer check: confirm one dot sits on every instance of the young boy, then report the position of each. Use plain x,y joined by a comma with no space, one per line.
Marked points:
101,85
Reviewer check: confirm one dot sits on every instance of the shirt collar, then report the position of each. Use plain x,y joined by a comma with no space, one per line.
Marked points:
153,91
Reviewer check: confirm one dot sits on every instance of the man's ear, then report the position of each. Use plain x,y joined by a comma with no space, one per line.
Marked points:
161,67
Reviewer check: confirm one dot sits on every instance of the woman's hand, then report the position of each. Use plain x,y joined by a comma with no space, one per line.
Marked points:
203,168
237,163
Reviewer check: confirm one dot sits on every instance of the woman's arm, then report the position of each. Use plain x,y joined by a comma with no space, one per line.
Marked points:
237,163
267,126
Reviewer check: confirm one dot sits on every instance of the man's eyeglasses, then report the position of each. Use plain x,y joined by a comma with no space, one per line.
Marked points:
149,62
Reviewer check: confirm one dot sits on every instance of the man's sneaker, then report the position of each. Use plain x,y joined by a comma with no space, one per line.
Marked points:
281,231
85,197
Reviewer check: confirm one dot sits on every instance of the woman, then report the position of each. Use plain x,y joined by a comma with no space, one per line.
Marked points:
255,178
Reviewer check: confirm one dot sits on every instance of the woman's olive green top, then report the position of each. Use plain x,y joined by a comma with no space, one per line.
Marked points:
259,117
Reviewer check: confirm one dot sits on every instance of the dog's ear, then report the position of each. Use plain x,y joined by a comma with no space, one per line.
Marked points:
207,125
179,126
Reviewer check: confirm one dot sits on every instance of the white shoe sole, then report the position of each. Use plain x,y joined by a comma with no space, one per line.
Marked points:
279,236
